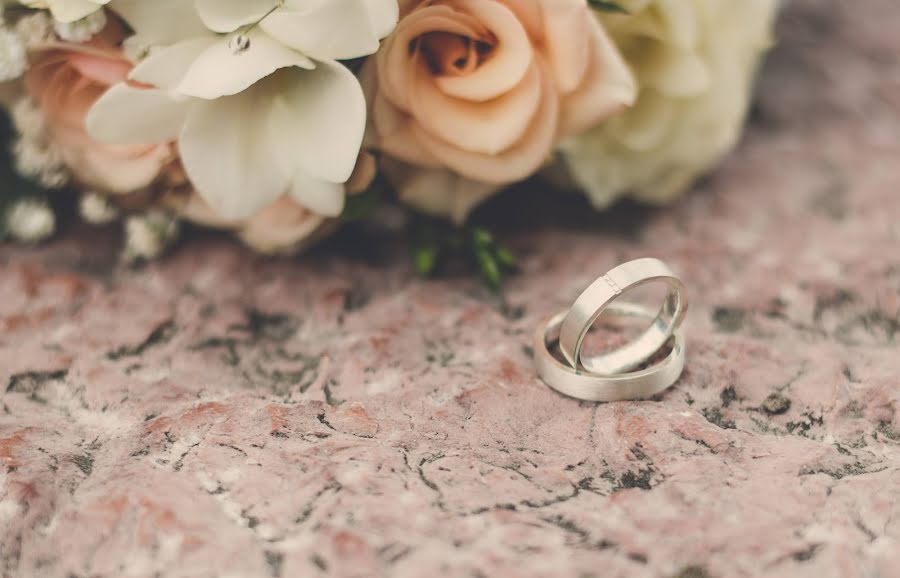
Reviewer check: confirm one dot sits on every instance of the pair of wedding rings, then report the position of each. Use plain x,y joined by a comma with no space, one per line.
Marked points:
615,375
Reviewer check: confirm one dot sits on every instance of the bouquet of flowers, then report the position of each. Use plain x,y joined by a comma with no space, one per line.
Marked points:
273,118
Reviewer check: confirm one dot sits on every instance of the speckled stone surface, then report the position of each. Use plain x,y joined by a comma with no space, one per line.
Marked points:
217,414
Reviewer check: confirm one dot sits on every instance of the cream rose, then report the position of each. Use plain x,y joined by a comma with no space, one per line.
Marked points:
483,89
695,61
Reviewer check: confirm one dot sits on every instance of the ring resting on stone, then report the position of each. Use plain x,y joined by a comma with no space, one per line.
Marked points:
577,322
588,386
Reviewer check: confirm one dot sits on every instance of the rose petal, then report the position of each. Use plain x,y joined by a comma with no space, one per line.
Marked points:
482,127
568,42
608,88
280,227
515,163
395,135
508,64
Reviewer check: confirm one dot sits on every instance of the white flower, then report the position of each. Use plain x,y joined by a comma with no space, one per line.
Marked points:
97,209
81,30
30,221
67,10
34,154
695,62
147,236
252,92
35,29
13,57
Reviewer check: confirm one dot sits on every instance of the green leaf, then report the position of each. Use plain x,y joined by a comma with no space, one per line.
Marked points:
506,258
489,269
426,244
433,240
492,260
425,259
482,237
606,6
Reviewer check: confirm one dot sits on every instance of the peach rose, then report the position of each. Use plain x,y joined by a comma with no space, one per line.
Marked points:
485,89
65,80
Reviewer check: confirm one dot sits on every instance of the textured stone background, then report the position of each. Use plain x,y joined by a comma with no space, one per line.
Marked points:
218,414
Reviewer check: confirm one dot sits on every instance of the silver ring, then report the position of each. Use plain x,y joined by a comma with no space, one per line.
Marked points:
604,291
590,387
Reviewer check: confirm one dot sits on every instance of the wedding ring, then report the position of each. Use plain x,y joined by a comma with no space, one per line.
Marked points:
598,297
590,387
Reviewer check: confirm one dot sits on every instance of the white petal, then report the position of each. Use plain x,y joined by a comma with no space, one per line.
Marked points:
225,154
167,66
128,115
319,120
229,15
161,22
72,10
322,197
385,14
219,71
335,30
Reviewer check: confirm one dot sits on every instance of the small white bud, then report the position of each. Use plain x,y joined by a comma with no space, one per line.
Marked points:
30,221
134,49
27,118
13,56
35,159
35,29
147,236
81,30
97,209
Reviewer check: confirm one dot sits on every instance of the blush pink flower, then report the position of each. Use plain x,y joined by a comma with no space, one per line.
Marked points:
65,80
283,227
484,89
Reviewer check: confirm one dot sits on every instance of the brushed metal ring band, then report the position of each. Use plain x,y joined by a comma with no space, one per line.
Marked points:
603,292
590,387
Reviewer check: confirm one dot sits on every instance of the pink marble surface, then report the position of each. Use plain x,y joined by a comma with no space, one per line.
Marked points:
217,414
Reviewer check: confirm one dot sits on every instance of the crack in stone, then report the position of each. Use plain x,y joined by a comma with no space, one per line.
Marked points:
233,447
161,335
802,427
260,356
180,462
583,536
310,507
85,463
846,470
807,554
693,571
31,383
324,421
390,556
275,561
